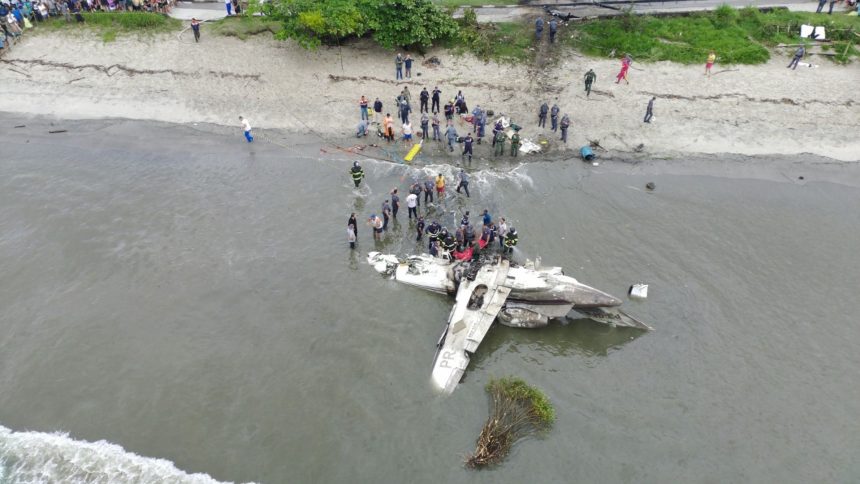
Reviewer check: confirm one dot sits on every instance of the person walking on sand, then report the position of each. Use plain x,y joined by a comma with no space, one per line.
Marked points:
408,62
590,77
712,57
553,29
398,67
538,28
622,74
246,127
228,4
195,27
649,111
553,116
798,54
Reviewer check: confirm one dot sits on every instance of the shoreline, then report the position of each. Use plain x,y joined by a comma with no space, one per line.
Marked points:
763,110
796,169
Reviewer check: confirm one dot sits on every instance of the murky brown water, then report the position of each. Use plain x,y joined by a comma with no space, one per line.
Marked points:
192,298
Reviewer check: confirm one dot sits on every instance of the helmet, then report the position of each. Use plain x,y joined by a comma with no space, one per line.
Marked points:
355,163
512,230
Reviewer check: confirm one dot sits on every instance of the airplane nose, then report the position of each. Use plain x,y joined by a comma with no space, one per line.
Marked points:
589,297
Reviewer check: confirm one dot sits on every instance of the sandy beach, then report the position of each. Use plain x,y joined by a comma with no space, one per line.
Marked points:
749,110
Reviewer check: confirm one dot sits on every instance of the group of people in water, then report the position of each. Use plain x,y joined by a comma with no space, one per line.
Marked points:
463,243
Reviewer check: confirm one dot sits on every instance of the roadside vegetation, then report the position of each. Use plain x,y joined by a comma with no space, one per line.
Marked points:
401,23
500,42
737,36
109,25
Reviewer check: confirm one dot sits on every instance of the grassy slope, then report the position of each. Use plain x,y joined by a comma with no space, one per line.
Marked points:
243,27
738,37
108,25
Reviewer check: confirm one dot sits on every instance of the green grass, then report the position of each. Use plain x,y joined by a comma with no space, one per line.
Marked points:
244,27
108,36
738,36
108,25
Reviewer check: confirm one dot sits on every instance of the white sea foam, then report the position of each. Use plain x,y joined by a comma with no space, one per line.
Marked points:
38,457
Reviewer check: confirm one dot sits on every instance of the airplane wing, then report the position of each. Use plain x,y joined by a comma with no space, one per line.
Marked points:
479,300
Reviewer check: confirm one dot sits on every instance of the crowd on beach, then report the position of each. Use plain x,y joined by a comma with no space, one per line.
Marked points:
20,15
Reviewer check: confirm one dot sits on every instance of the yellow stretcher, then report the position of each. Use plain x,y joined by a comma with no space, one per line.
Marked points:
414,151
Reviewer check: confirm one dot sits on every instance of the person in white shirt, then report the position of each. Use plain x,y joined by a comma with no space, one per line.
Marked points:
503,230
246,126
412,204
407,132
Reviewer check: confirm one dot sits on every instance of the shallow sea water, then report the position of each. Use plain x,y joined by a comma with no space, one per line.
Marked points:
189,297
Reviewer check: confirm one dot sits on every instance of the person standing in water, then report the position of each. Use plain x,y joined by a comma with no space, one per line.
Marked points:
357,173
353,222
246,127
350,236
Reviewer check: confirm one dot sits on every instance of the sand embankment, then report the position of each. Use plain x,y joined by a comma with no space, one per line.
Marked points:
764,109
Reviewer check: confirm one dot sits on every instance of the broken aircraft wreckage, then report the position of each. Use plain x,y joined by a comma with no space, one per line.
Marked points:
491,287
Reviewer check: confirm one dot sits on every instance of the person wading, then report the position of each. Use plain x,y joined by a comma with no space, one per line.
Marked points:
357,173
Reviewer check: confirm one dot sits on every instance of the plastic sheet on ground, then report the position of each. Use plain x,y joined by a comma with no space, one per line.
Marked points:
806,31
529,146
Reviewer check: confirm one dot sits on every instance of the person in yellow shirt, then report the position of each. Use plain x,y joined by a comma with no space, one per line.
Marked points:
440,186
711,58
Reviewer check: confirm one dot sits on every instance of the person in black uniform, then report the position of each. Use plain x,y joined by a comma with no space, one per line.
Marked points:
357,173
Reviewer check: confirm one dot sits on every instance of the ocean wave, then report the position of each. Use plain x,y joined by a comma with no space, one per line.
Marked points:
38,457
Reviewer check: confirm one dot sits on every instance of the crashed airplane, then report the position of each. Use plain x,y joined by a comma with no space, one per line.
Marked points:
492,287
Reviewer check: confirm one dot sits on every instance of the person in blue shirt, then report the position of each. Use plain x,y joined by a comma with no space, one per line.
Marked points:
487,217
